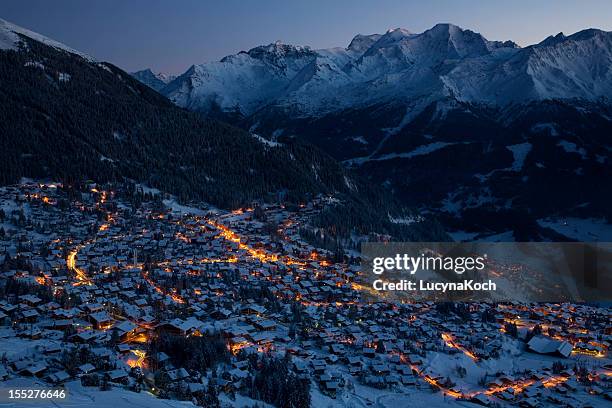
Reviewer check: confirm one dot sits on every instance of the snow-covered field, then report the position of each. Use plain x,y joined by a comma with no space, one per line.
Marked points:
580,229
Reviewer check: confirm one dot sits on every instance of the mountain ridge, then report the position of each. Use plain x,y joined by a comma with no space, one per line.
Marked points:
155,80
444,61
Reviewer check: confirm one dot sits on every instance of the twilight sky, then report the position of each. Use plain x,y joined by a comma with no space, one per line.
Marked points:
169,36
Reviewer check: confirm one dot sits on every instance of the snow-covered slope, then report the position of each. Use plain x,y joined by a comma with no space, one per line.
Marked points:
443,62
10,39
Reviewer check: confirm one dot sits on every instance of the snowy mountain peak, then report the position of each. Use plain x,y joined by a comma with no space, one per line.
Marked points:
10,39
162,76
398,32
360,43
588,33
392,37
446,27
581,36
278,49
552,40
165,77
460,43
154,80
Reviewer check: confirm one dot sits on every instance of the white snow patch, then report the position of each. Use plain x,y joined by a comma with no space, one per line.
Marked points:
406,220
269,143
570,147
450,204
360,139
105,67
580,229
519,151
34,64
182,209
104,158
118,136
148,190
315,171
419,151
278,133
349,183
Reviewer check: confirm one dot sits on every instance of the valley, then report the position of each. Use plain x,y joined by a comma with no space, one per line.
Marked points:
436,118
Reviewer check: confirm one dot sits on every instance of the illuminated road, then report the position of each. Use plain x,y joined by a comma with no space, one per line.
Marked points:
450,342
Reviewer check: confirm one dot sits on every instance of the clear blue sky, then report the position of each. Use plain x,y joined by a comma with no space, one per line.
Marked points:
170,35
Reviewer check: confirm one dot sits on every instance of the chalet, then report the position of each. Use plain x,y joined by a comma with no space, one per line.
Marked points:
253,309
380,369
195,387
8,309
331,387
34,369
589,349
238,374
126,330
369,352
31,299
61,324
58,377
265,324
178,326
85,336
262,338
86,368
178,375
547,345
93,307
101,320
29,315
319,366
481,399
52,348
118,376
